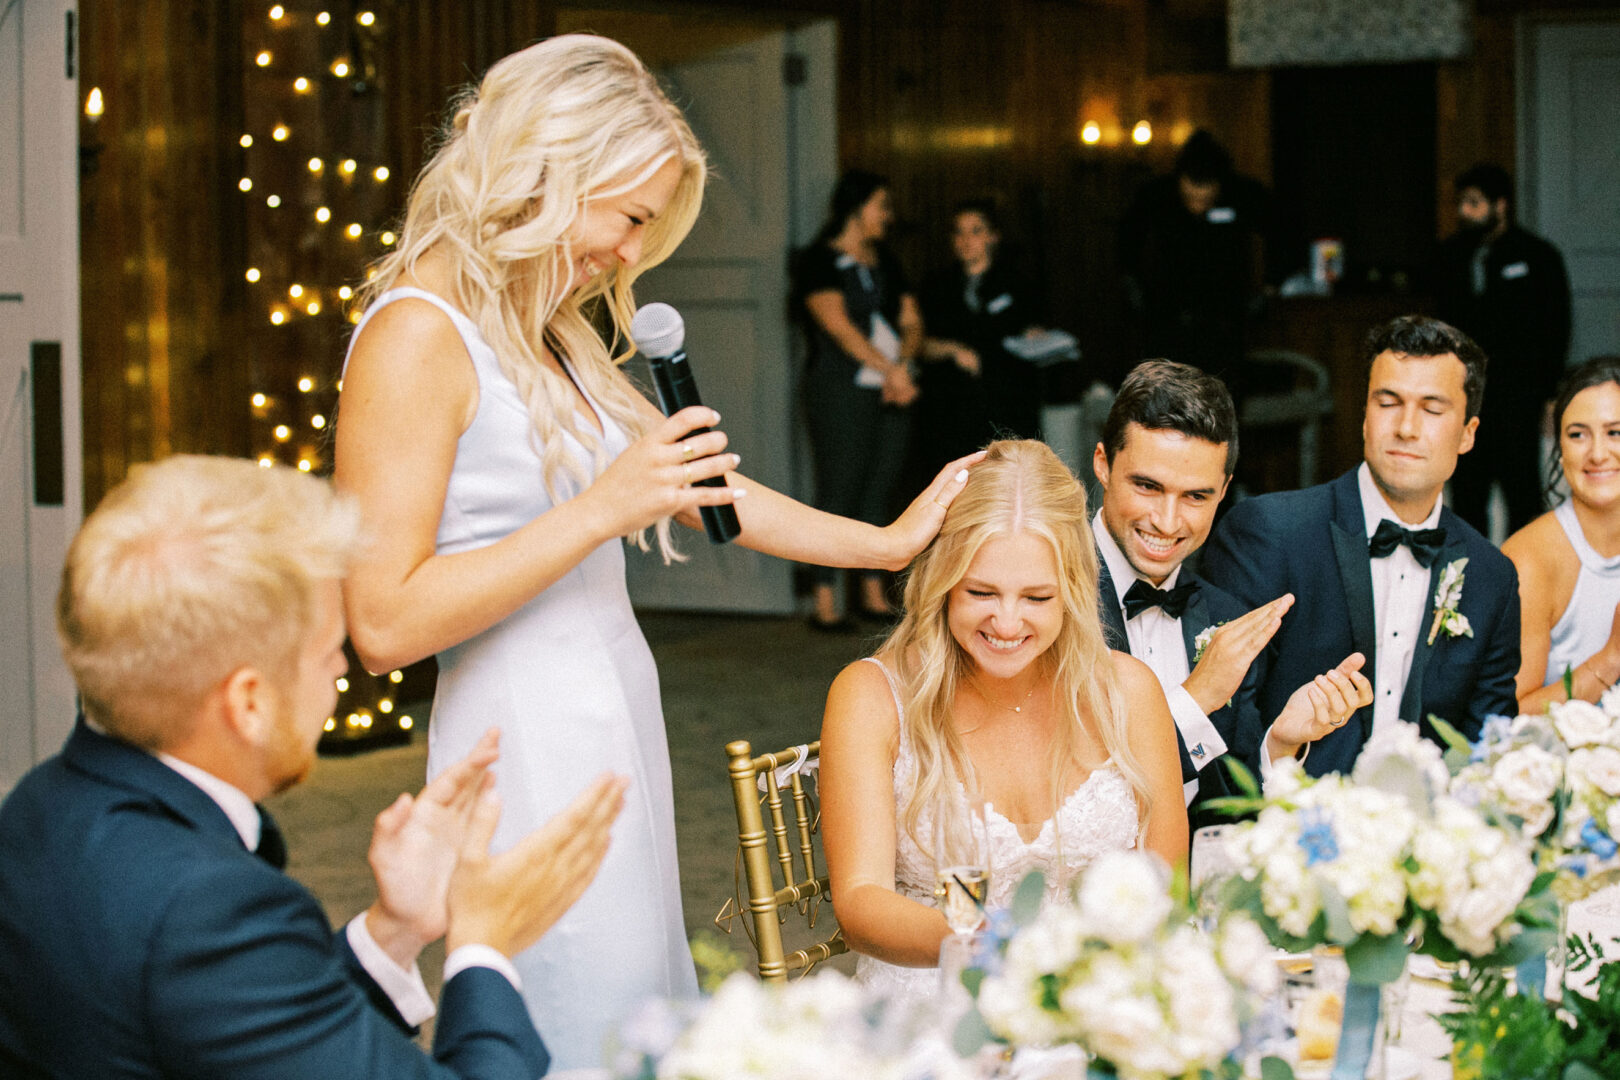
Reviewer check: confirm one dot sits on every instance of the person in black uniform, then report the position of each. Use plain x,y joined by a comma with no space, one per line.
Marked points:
1507,289
972,389
1192,249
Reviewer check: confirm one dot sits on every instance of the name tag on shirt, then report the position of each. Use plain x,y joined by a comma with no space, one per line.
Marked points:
1221,215
1515,270
999,304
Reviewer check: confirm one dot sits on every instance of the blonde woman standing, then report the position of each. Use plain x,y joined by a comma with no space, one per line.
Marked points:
500,455
998,682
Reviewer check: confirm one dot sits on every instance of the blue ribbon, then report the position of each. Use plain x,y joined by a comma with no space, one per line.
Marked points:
1531,977
1356,1037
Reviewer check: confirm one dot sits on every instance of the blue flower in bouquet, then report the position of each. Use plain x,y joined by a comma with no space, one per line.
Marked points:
1317,838
1597,841
1497,729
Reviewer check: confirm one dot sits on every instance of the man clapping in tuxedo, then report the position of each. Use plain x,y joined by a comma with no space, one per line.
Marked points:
146,927
1168,450
1379,565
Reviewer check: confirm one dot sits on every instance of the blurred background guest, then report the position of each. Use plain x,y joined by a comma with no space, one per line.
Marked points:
1506,288
1569,560
864,330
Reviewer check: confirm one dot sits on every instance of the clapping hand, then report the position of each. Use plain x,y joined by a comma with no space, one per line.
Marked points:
1321,706
1230,652
414,847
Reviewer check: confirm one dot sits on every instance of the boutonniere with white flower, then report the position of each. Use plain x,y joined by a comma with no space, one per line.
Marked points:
1201,642
1447,595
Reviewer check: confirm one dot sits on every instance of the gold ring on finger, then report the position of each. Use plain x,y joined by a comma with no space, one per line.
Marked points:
686,452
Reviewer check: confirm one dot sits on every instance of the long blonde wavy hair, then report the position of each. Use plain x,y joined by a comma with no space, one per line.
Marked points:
549,129
1019,487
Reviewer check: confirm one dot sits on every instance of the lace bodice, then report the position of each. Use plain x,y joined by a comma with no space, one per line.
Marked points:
1098,816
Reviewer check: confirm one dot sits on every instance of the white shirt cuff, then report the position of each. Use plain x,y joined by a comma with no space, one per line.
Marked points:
1266,766
404,988
471,956
1204,743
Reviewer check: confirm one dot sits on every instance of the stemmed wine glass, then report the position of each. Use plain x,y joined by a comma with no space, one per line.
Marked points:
962,868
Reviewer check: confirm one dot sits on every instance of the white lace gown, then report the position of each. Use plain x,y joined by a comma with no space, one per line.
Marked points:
1098,816
569,680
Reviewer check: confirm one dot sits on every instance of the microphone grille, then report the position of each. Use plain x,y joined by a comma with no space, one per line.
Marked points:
658,330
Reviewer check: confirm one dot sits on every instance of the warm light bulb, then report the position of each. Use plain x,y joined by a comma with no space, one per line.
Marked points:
380,172
282,433
304,464
259,401
323,18
344,292
306,384
349,165
295,291
331,723
277,317
353,232
1090,133
340,386
94,105
405,723
263,59
317,421
365,18
252,273
387,238
244,184
396,676
280,133
266,461
342,685
301,84
277,12
273,201
385,706
316,164
245,140
341,69
314,307
1142,133
354,317
323,215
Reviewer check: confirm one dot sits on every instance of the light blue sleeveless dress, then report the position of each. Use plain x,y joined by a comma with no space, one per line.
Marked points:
570,681
1584,626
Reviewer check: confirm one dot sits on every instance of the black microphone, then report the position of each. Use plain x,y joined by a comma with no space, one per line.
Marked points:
659,331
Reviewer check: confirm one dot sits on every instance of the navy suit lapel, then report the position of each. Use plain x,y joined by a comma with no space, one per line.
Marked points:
1194,621
1108,608
1412,695
1349,532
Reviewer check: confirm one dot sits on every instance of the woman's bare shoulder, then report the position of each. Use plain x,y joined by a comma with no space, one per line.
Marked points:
1540,551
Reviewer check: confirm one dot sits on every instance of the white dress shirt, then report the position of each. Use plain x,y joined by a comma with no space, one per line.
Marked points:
404,988
1156,640
1400,597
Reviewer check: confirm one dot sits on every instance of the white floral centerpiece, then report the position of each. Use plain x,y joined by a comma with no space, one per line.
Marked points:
1384,861
814,1028
1122,973
1557,775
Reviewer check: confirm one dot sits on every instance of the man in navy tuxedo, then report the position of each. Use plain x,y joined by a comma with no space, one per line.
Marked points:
146,927
1367,555
1169,446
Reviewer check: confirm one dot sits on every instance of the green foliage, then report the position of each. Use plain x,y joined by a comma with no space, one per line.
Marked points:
716,958
1027,899
1502,1035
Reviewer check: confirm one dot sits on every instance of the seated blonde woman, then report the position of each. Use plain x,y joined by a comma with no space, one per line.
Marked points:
1569,560
997,681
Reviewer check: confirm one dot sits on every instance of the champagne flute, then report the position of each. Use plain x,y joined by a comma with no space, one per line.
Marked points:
962,864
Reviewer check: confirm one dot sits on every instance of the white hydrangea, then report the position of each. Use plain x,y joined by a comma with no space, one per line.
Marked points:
1122,897
1472,875
1406,743
1246,955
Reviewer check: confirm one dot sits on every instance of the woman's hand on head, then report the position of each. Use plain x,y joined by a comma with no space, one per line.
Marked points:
656,476
916,528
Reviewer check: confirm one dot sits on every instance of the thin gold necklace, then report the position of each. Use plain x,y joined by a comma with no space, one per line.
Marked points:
1018,708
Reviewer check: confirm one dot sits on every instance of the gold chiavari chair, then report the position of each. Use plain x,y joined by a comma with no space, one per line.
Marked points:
757,787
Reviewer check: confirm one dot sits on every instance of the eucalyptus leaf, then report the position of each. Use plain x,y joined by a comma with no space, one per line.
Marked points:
1275,1068
972,979
971,1034
1376,959
1027,899
1580,1070
1528,943
1242,778
1335,914
1454,739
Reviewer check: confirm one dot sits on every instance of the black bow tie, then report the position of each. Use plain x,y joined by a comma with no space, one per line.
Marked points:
1424,543
1141,596
272,845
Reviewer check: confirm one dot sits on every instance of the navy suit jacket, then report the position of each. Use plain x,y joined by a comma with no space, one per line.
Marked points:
1238,721
140,939
1313,543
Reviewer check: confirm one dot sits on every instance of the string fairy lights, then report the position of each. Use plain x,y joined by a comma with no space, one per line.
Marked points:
317,206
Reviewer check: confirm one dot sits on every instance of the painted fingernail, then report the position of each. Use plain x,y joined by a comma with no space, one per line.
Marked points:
961,476
737,493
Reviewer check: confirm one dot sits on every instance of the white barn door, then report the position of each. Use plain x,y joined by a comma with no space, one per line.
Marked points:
729,282
41,489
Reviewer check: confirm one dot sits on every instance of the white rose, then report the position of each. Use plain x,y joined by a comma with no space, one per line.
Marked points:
1247,956
1527,776
1598,767
1123,897
1580,723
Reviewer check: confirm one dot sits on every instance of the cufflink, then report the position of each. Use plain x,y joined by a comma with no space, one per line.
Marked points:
1197,751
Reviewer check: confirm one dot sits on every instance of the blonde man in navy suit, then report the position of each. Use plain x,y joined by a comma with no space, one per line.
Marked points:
1169,446
1366,556
146,927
